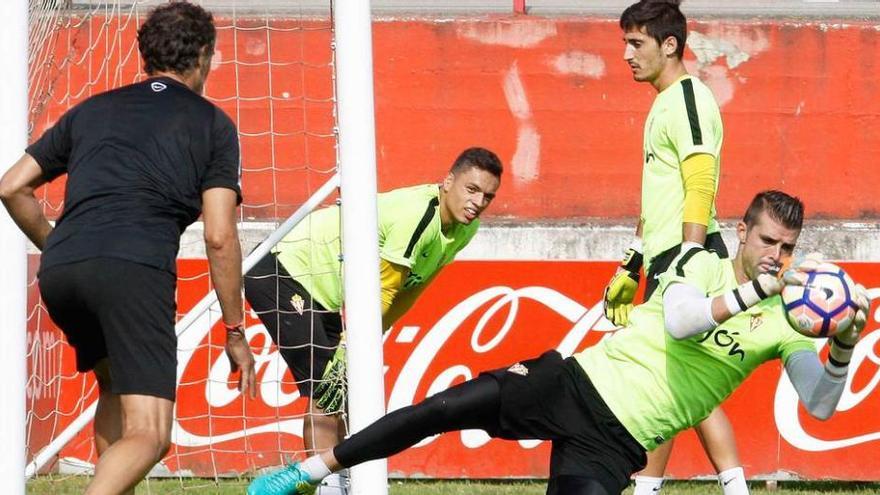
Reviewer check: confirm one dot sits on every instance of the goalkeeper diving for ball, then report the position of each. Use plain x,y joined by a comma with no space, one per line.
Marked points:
710,323
297,291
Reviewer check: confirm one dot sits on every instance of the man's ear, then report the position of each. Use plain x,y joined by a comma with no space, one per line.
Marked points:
741,231
670,46
447,182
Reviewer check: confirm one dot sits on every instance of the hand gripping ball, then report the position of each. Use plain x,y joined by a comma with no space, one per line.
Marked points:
824,305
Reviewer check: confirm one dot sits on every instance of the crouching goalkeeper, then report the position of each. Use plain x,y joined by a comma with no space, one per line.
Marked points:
711,322
297,290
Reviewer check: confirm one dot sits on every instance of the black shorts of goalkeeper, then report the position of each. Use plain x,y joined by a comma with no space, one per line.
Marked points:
305,332
119,310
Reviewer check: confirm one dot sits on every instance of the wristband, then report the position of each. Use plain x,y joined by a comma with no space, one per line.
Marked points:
840,353
744,297
633,259
238,328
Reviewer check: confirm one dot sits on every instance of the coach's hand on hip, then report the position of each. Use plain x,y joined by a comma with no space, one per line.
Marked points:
240,357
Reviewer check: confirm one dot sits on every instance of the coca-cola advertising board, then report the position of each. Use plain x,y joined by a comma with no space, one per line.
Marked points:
477,315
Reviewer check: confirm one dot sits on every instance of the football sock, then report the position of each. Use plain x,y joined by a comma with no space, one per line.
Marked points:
733,481
647,485
316,469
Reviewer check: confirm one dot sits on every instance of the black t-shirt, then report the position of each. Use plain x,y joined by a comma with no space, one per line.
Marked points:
137,159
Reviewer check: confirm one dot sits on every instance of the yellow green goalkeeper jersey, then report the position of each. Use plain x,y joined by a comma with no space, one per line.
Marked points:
658,386
684,121
410,235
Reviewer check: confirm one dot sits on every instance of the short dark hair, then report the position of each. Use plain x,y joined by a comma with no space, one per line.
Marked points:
480,158
660,18
174,36
785,209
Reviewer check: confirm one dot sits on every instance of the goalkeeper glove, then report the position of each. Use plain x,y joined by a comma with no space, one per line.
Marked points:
330,392
621,290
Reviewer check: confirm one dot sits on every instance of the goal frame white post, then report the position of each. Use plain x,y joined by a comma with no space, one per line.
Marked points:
357,170
13,248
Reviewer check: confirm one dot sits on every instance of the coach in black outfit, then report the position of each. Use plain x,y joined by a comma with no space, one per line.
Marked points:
143,161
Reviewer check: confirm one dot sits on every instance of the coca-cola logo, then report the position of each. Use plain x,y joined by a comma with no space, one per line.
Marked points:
418,377
504,302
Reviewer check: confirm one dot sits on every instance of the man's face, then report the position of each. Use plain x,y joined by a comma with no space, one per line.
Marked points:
467,193
646,58
765,245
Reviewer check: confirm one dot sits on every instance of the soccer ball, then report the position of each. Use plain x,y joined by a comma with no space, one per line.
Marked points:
824,305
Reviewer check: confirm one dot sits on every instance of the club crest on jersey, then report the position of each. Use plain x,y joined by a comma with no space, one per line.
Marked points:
298,303
756,321
157,86
519,369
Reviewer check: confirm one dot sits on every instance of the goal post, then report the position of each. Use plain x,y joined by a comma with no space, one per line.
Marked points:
13,283
357,164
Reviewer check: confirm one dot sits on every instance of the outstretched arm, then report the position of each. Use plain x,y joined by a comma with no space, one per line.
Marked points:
687,311
819,387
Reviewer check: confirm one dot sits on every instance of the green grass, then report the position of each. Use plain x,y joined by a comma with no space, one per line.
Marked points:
58,485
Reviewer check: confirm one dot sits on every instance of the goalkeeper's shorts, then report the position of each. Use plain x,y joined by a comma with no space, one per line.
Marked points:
550,398
121,310
305,332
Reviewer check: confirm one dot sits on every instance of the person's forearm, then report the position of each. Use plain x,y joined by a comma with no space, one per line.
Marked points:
403,302
693,232
224,259
818,387
688,312
26,212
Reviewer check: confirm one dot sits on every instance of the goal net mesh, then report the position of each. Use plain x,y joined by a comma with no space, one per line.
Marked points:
272,73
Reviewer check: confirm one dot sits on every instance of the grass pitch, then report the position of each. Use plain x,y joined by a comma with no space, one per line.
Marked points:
69,485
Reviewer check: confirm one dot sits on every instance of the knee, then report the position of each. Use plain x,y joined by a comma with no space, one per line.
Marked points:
437,408
157,440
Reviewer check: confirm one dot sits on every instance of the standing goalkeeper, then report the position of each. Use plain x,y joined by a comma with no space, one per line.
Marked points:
142,162
681,161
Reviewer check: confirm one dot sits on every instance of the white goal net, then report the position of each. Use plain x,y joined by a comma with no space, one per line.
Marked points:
273,73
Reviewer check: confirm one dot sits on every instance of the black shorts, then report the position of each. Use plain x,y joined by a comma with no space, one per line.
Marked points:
661,262
549,398
306,334
121,310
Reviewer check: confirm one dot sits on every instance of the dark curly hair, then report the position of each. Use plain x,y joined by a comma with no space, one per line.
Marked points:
173,37
660,18
480,158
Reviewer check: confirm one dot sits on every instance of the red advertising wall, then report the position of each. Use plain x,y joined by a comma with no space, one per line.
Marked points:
553,97
477,315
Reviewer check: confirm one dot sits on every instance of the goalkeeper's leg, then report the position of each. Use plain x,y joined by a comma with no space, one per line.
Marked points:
471,405
306,335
